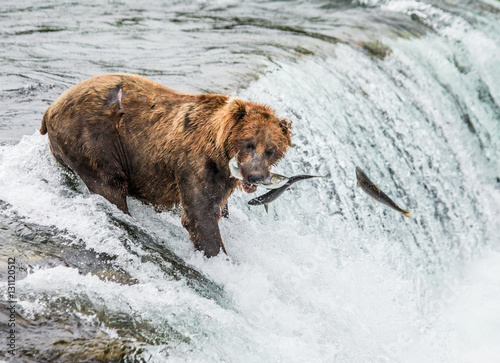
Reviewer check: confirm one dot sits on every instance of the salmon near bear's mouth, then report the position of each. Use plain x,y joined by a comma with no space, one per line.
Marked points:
235,169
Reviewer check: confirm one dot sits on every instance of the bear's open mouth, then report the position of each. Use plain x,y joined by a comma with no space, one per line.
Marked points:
248,187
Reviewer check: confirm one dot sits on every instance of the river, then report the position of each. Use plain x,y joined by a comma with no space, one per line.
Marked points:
407,90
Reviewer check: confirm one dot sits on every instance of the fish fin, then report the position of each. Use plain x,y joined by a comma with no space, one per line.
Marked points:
267,207
373,201
406,213
357,184
376,186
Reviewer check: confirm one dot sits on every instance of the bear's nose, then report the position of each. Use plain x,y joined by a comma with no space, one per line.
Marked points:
255,178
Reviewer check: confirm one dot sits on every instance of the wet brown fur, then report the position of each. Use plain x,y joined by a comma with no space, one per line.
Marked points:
125,135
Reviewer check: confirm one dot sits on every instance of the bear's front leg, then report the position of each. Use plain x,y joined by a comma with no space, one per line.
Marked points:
201,214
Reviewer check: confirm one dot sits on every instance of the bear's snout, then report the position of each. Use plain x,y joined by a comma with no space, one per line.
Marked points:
256,178
254,172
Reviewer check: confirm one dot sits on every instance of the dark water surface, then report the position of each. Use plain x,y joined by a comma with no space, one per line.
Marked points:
194,47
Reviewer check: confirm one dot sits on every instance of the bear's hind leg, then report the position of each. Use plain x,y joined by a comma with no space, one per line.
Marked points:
102,173
113,189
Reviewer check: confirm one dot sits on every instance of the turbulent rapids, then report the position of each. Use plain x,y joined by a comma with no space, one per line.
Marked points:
406,90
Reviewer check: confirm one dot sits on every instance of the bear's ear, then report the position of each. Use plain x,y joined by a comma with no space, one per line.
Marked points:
286,127
237,108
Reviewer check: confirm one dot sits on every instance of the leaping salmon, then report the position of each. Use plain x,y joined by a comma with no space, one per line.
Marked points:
373,191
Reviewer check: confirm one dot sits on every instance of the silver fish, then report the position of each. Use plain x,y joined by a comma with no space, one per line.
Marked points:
273,181
373,191
234,168
275,193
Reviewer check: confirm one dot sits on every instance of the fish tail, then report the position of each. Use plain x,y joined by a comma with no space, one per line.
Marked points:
406,213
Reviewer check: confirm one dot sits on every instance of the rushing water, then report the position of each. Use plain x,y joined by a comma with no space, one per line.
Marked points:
407,90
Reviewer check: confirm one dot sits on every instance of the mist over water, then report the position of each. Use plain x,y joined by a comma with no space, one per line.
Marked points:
406,90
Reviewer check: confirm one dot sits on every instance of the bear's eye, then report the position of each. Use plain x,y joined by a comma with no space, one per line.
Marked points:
250,146
269,153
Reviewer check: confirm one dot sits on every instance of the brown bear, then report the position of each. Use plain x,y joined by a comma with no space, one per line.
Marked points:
126,135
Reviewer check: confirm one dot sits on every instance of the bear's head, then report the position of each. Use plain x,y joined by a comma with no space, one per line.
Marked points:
259,138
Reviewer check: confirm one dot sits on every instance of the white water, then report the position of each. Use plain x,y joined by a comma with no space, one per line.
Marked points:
326,275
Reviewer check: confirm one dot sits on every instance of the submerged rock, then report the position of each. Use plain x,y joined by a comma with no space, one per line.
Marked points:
377,49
